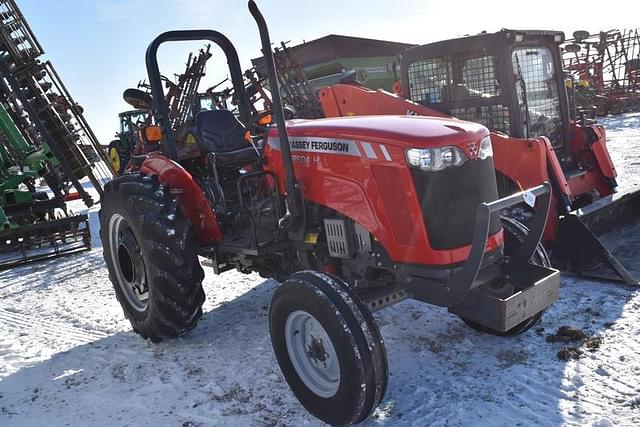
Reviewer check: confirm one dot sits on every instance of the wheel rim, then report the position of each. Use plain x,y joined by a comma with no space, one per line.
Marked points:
312,354
128,262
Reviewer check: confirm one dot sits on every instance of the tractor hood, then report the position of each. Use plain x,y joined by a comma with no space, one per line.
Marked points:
400,131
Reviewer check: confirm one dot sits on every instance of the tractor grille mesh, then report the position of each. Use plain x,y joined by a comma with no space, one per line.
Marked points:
337,240
449,199
455,77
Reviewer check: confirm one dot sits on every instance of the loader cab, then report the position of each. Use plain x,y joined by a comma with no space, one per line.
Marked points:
510,81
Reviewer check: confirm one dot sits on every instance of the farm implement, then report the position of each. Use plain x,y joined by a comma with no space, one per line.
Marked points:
46,148
606,71
183,102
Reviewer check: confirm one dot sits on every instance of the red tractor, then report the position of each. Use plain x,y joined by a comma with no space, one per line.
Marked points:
351,214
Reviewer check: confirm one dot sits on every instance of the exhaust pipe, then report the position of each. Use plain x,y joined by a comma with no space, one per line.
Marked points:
294,198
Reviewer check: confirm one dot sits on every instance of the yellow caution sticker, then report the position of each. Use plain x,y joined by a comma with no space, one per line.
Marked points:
311,238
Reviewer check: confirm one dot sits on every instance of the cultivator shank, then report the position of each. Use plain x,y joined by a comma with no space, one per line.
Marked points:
43,240
43,137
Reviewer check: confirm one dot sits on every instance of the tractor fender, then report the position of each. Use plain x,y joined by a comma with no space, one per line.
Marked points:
193,203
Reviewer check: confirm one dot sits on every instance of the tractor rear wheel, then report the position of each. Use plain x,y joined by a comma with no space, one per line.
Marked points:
514,234
328,347
118,157
152,257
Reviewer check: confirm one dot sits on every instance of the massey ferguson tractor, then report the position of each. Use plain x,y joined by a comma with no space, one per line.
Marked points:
513,83
352,215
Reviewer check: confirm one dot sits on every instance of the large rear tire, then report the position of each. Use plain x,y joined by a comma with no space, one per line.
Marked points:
514,234
328,347
152,257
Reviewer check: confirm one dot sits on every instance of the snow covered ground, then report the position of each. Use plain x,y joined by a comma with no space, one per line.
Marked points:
69,357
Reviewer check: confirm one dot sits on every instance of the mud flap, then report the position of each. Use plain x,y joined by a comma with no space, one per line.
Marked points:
583,247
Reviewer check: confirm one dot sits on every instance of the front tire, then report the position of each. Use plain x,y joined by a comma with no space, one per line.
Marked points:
514,234
152,257
328,347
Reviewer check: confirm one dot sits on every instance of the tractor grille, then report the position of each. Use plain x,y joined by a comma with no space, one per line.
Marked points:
449,198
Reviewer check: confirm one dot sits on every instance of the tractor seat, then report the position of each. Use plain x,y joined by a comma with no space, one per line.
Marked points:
221,133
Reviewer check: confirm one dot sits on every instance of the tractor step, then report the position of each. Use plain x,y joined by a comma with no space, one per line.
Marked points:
378,298
44,240
248,247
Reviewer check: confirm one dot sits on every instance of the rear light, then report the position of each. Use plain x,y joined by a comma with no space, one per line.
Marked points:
435,159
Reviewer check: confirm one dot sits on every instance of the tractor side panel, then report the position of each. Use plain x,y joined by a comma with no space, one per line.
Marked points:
192,201
370,183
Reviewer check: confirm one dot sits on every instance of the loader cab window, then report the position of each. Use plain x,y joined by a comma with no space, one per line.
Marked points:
456,77
537,90
464,84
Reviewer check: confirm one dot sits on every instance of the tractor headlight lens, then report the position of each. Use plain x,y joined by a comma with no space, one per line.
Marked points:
435,159
485,150
422,159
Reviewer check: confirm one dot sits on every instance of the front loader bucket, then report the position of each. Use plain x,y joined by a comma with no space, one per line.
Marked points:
602,239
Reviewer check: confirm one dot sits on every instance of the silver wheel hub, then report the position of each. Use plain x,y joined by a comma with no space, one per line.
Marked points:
312,354
128,262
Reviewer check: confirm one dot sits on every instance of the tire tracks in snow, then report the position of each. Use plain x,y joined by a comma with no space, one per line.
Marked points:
31,325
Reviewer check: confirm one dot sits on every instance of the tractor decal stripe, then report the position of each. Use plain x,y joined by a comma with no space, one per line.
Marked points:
385,153
319,145
368,150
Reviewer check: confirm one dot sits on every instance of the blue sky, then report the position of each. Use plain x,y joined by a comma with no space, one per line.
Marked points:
98,46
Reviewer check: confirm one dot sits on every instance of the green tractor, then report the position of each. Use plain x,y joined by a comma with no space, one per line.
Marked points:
120,149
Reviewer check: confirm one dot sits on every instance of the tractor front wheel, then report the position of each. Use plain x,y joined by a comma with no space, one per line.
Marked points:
152,257
328,347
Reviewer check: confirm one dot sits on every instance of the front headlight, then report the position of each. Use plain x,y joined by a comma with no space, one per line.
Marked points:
485,148
435,159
